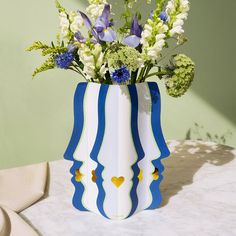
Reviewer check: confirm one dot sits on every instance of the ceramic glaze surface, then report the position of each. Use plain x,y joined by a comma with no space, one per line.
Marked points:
116,147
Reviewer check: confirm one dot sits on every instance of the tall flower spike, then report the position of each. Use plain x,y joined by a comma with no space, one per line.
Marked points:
136,30
102,26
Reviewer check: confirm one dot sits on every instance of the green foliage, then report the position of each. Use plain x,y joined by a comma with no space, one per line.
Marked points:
37,45
47,65
160,5
51,50
46,49
59,7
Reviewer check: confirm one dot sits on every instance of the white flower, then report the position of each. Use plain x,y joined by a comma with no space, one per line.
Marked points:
64,23
103,70
153,43
177,10
182,16
95,8
176,30
170,7
76,21
93,60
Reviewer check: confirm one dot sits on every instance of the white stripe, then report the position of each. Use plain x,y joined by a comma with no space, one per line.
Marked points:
149,145
86,144
117,153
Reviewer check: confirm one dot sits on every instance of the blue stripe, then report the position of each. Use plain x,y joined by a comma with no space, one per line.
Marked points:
76,135
158,135
137,144
97,146
78,121
79,187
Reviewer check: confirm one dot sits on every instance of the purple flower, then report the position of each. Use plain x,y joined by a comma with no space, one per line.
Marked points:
88,24
64,60
79,37
121,75
102,26
135,34
163,16
71,47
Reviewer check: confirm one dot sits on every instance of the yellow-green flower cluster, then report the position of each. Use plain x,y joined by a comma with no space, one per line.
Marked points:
181,75
124,56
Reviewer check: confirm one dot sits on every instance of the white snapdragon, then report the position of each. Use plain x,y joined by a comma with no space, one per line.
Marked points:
76,21
178,12
93,60
64,23
95,8
153,43
72,22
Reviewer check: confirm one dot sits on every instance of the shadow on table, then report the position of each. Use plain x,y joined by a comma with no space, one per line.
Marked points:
186,159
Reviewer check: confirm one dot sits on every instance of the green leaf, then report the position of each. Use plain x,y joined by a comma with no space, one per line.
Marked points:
58,39
59,7
55,50
37,45
47,65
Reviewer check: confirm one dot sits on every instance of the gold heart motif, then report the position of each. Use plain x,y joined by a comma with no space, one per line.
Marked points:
140,176
118,181
78,175
94,177
155,174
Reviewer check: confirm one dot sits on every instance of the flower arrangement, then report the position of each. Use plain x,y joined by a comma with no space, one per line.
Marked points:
128,54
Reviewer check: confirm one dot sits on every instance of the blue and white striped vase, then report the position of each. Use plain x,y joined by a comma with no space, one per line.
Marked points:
116,147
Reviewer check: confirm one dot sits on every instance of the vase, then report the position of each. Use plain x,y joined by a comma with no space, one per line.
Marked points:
116,147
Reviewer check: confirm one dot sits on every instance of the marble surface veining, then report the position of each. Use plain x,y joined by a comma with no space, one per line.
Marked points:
199,198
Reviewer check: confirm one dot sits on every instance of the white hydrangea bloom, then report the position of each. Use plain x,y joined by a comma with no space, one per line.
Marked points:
93,61
76,21
64,23
95,8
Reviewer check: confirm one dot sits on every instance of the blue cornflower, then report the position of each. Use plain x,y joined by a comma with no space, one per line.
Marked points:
64,60
121,75
163,16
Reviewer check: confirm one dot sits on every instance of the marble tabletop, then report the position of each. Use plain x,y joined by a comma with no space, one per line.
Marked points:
199,198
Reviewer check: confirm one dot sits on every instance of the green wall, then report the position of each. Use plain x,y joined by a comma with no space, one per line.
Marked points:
36,115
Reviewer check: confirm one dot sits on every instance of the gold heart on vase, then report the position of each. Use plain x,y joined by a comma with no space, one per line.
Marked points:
94,176
117,181
78,175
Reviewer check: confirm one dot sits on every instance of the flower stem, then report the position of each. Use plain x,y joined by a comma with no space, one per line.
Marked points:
76,69
159,73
